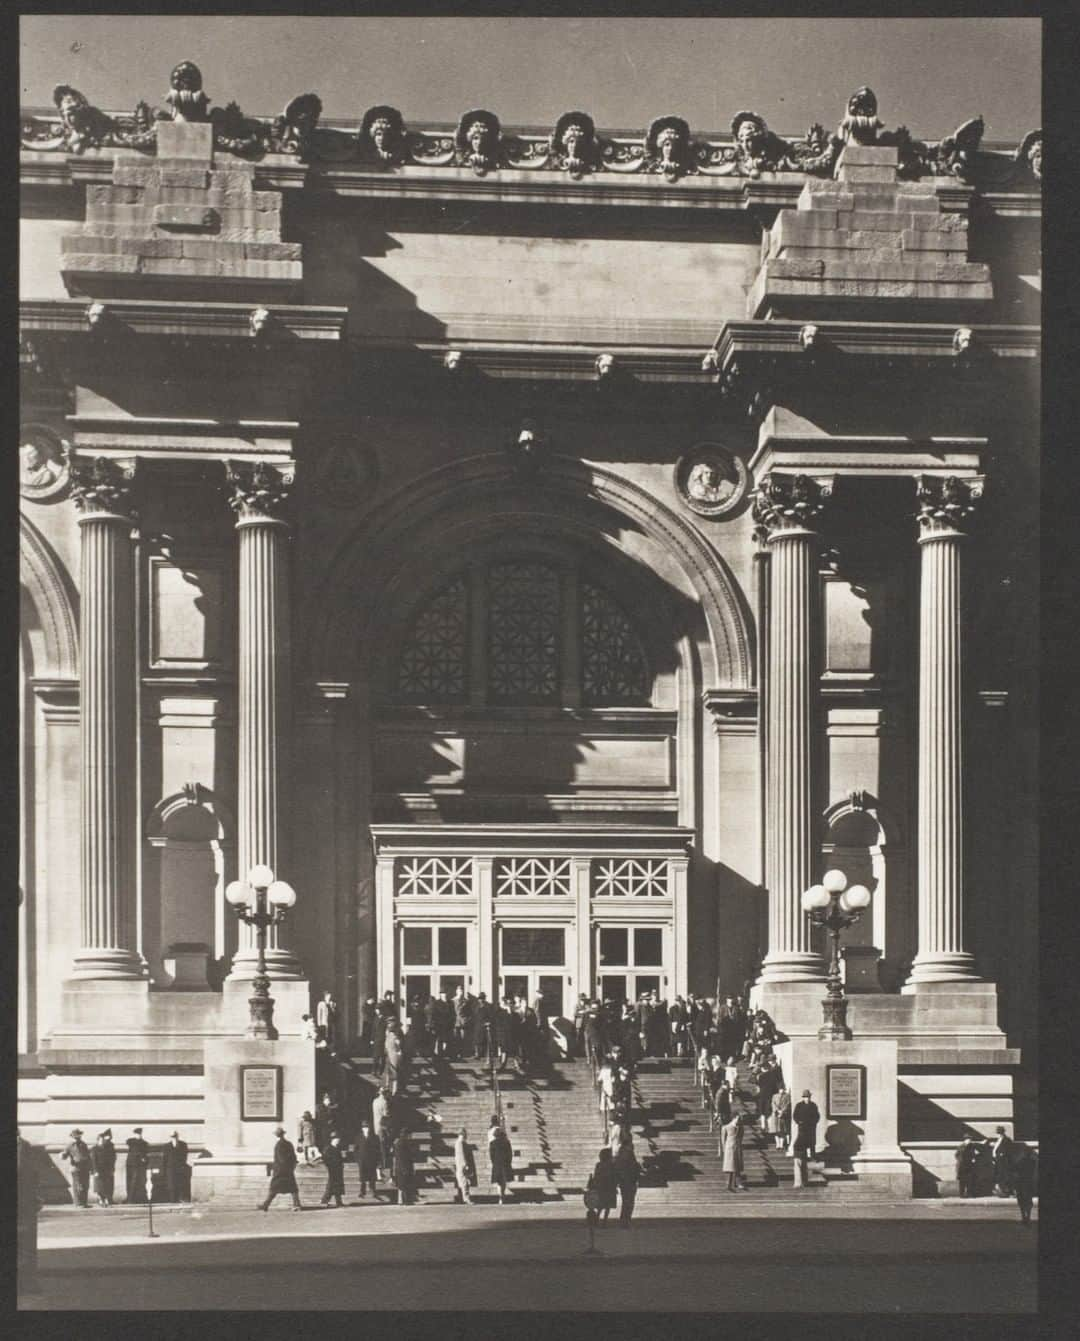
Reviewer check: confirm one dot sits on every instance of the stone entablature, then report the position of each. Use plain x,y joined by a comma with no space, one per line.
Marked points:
667,147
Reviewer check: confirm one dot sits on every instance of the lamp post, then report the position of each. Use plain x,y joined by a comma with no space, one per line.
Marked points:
835,906
261,902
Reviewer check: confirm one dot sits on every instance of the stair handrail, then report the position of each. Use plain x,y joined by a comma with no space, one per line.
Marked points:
496,1093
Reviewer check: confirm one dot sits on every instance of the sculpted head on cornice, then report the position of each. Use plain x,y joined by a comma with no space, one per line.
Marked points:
477,140
382,134
298,122
81,125
573,143
185,97
860,124
1030,153
667,146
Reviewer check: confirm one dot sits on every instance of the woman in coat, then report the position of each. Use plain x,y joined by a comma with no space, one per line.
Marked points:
464,1167
603,1181
731,1151
103,1163
501,1154
395,1057
307,1138
404,1171
781,1116
283,1172
627,1177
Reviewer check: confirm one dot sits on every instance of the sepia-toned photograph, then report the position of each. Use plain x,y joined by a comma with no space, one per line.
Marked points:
528,664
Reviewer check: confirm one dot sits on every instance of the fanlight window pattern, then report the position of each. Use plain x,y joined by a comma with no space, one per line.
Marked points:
523,634
433,664
630,877
527,877
433,877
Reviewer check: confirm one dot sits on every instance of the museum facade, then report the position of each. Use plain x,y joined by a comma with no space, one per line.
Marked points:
547,550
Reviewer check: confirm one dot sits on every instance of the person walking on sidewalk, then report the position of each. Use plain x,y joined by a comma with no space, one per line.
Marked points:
282,1172
175,1169
781,1116
334,1160
369,1159
627,1177
103,1163
138,1156
307,1138
501,1155
966,1156
806,1116
604,1183
464,1168
404,1169
1023,1179
731,1152
78,1155
1002,1152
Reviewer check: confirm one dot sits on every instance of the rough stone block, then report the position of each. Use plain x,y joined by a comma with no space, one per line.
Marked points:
237,178
822,195
283,271
795,269
118,213
868,245
181,267
274,251
101,263
201,248
947,223
196,218
134,174
187,195
917,239
232,234
89,242
887,220
185,139
870,155
966,272
870,270
174,174
266,200
150,246
853,173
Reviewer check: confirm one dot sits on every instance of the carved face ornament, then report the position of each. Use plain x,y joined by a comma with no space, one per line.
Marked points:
862,102
750,136
382,136
1034,157
186,78
668,144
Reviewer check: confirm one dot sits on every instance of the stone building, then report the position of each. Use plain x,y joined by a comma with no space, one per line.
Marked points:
549,551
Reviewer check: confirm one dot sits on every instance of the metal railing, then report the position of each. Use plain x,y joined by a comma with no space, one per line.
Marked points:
493,1067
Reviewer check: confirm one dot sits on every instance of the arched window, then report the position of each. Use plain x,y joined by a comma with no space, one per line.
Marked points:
523,633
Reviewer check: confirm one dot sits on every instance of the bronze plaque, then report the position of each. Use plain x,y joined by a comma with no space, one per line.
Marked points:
845,1091
260,1093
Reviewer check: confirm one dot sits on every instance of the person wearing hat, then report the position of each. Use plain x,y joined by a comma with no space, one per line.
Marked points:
806,1116
78,1155
464,1168
334,1159
175,1170
283,1172
138,1157
103,1163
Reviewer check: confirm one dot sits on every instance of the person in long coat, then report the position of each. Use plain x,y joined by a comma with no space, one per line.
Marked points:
627,1176
138,1156
103,1163
283,1172
1023,1179
806,1116
78,1155
404,1169
369,1159
174,1169
781,1116
395,1058
464,1167
482,1019
501,1155
382,1123
502,1028
604,1183
731,1151
334,1160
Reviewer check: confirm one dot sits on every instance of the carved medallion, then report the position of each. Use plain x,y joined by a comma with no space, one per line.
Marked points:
346,473
711,480
43,470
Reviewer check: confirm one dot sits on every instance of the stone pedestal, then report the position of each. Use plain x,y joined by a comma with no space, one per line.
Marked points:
863,1152
237,1151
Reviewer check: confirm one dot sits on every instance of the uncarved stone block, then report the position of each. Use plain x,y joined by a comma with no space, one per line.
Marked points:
187,217
185,139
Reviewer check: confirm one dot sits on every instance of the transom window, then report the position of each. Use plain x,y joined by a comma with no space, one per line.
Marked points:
523,633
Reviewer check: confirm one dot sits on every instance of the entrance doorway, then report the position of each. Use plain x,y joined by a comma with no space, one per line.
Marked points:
433,959
533,963
629,961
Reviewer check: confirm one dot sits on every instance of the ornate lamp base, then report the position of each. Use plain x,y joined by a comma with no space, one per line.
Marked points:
834,1011
262,1009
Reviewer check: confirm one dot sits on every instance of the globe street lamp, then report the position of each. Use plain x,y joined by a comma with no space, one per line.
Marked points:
834,906
262,902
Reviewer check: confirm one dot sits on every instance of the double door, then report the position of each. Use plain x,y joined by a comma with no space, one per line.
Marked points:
629,962
433,959
532,962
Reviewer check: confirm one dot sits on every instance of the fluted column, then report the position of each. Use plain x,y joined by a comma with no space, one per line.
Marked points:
786,509
944,508
101,489
257,493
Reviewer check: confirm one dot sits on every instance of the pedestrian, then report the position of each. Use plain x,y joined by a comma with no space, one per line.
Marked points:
334,1159
1023,1179
369,1159
175,1169
627,1177
501,1155
327,1119
395,1058
966,1157
603,1182
103,1163
731,1151
367,1023
378,1039
463,1005
326,1014
282,1172
481,1027
78,1155
1002,1152
805,1116
27,1213
594,1037
404,1169
138,1156
464,1168
731,1074
502,1022
306,1138
781,1116
442,1025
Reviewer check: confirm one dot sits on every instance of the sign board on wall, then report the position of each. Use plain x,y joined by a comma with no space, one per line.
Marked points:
260,1093
845,1091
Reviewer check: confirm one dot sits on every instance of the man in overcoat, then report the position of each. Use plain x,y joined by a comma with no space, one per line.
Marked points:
334,1162
138,1156
103,1163
369,1159
175,1169
806,1115
404,1170
282,1172
78,1155
1002,1152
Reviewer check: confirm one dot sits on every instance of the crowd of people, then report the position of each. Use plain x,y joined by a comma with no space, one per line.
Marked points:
93,1169
1007,1166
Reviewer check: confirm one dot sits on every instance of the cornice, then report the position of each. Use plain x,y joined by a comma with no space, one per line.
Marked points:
740,340
231,321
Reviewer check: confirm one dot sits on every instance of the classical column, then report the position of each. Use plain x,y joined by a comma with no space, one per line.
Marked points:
944,508
257,494
101,489
786,509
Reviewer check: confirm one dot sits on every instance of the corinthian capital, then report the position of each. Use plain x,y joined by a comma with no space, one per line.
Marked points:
101,484
946,505
256,490
788,503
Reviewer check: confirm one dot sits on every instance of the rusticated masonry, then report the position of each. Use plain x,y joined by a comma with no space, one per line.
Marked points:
178,219
867,236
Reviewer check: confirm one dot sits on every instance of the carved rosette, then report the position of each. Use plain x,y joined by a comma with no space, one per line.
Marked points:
787,503
101,486
257,491
946,505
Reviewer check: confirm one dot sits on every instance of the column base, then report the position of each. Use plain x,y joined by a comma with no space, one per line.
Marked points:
280,964
793,967
928,970
102,962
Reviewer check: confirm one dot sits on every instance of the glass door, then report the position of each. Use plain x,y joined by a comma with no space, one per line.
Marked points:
533,963
629,961
433,959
